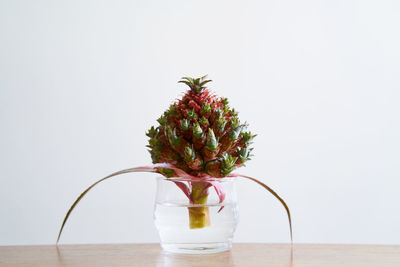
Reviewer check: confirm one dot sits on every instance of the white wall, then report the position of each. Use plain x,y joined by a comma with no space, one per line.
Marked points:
318,81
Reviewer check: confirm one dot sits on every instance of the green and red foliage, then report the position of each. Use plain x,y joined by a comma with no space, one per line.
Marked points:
200,134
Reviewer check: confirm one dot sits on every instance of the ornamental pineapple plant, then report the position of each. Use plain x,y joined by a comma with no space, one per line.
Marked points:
203,136
198,137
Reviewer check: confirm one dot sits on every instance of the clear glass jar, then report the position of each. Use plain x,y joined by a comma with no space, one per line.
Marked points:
190,217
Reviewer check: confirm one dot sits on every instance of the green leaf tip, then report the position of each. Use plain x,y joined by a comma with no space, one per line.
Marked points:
197,85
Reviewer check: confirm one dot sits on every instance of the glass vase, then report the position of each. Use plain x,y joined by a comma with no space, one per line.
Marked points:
196,216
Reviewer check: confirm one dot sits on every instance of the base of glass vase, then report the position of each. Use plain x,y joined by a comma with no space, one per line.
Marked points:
197,248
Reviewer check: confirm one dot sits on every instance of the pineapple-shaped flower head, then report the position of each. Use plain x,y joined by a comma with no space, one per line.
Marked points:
200,134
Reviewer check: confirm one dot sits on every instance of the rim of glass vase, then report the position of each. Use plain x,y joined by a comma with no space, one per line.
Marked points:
197,179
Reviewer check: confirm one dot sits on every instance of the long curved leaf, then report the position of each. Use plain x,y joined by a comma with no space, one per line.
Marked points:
182,174
139,169
274,194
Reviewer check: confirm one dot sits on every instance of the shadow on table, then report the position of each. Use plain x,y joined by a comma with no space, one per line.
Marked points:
282,258
166,259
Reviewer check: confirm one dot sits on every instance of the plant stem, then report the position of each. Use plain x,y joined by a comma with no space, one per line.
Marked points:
199,217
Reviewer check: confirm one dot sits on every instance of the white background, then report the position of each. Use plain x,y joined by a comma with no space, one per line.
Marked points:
318,81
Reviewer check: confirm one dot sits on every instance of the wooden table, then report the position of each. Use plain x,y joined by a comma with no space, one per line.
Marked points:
241,255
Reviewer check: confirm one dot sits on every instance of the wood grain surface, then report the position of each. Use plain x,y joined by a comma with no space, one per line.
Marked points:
240,255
